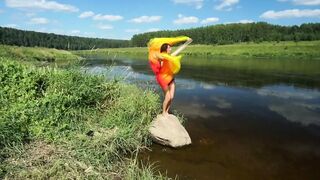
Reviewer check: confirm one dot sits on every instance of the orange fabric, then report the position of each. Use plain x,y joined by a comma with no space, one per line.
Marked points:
164,80
172,63
165,75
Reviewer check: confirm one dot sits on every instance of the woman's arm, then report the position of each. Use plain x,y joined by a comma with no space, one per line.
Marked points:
182,47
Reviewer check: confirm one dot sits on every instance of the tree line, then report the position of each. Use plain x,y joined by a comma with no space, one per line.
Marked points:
214,34
237,32
11,36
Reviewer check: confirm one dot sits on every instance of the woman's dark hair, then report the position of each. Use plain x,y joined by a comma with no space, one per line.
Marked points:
164,47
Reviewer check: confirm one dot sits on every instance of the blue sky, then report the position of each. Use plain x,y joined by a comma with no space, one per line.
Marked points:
120,19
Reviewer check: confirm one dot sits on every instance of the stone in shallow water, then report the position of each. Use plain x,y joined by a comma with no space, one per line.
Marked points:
167,130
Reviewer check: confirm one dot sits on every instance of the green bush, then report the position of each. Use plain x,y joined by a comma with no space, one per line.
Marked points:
46,102
14,104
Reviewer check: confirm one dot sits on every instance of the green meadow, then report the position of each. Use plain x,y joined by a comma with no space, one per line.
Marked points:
279,50
36,54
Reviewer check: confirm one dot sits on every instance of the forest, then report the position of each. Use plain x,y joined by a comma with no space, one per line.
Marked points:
210,35
11,36
237,32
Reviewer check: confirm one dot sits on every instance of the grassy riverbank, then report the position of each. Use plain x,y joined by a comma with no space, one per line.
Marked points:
288,49
65,124
36,54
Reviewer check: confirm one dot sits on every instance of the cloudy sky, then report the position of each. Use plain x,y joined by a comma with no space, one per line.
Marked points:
120,19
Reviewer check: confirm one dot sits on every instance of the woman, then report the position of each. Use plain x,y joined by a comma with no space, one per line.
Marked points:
165,68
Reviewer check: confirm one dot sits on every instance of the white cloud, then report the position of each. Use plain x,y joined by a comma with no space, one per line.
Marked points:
86,14
31,14
303,2
207,86
10,25
186,19
221,102
107,17
42,29
75,31
307,2
89,34
39,20
283,93
226,4
100,17
40,4
291,13
245,21
152,29
146,19
198,109
132,30
196,3
57,31
294,104
297,112
210,20
104,26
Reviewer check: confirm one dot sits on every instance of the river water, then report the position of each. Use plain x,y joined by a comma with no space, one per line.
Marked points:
248,119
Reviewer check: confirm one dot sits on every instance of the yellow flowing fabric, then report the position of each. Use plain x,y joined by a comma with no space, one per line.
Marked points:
171,64
174,64
154,46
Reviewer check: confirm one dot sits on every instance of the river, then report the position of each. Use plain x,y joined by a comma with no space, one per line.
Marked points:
248,119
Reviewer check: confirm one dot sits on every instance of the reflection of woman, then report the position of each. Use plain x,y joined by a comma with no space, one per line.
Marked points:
165,73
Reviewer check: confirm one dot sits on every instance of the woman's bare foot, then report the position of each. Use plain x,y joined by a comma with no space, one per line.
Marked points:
165,114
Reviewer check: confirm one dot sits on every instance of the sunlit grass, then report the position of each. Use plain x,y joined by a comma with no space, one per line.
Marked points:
287,49
36,54
65,124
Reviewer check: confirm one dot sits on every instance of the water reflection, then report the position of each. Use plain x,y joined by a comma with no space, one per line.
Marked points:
294,104
288,92
221,103
248,121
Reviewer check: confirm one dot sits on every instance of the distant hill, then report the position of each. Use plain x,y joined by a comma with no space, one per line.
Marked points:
11,36
236,32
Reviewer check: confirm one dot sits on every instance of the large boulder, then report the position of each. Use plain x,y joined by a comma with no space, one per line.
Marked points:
167,130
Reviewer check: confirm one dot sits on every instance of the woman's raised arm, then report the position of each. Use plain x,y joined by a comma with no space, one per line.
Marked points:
182,47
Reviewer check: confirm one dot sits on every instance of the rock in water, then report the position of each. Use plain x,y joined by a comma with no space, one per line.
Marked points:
167,130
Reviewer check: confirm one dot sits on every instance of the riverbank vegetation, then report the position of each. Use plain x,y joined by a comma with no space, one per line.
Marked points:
66,124
36,54
288,49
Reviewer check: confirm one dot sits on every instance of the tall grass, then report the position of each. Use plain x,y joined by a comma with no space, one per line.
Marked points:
64,124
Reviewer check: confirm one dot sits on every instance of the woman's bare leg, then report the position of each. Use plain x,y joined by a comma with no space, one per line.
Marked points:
167,98
171,91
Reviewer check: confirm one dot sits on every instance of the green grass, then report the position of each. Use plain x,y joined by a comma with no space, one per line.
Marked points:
64,124
288,49
36,54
